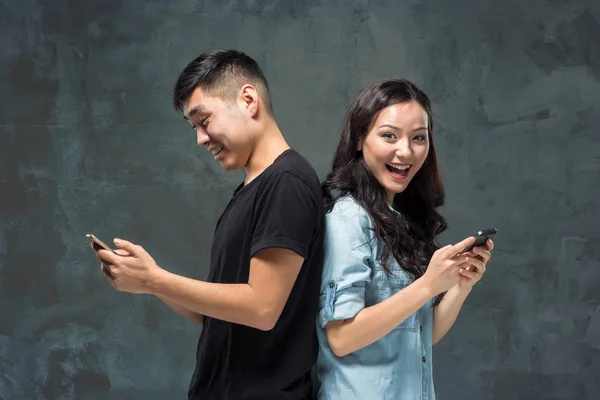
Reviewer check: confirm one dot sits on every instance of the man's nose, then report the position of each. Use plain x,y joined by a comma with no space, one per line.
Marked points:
202,137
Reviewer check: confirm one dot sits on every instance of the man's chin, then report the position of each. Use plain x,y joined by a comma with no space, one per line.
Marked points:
228,166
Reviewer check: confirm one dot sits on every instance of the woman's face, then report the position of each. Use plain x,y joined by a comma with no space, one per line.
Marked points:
396,145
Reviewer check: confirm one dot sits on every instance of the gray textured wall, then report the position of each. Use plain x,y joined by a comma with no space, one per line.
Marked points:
89,143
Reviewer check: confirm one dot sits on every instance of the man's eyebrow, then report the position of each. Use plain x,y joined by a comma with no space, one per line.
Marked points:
194,110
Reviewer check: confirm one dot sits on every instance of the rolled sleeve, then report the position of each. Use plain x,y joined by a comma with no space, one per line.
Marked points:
347,263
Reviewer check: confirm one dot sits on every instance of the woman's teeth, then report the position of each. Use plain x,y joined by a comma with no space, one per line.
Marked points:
400,168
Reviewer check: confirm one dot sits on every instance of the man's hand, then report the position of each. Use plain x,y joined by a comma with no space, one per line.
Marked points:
131,270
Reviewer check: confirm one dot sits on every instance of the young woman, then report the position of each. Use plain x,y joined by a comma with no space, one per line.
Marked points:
388,291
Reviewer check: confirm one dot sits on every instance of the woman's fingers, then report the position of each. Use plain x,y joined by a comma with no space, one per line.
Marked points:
470,274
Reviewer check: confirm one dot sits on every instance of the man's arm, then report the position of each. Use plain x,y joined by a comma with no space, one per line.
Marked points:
283,228
184,312
257,304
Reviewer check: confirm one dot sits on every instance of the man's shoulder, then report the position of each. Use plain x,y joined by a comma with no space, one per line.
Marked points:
292,164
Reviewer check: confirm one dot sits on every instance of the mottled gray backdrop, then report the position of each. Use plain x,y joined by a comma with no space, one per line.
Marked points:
89,142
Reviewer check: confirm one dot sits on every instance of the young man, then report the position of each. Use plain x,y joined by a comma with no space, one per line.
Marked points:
258,307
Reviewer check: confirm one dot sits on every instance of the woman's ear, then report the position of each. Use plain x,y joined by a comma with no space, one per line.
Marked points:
360,143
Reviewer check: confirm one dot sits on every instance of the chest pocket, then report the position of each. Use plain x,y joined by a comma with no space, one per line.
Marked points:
389,287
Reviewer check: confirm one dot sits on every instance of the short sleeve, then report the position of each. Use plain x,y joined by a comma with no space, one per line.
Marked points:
286,215
347,265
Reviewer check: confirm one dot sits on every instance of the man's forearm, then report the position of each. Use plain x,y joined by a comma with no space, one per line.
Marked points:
235,303
446,312
184,312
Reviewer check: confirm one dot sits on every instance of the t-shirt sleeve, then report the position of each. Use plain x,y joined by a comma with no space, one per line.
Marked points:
348,261
286,215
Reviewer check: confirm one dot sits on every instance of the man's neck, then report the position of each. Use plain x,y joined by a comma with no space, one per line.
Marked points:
270,146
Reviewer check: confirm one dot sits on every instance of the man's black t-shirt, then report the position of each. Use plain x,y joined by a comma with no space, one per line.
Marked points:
282,208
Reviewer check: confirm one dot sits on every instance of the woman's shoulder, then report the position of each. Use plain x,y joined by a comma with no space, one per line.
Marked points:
348,206
347,209
348,224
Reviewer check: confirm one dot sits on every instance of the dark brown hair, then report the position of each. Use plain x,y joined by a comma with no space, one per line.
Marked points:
409,238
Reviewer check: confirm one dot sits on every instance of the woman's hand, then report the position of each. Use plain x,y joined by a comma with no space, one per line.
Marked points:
443,270
476,259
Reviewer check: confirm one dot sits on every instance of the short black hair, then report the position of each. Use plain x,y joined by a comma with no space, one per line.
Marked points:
220,72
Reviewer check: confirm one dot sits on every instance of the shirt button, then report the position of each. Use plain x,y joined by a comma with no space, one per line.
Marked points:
421,328
331,285
424,359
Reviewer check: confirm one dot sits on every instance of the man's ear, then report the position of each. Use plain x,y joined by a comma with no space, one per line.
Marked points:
248,96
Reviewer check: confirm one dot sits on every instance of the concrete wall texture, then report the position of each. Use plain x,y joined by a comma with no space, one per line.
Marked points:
89,142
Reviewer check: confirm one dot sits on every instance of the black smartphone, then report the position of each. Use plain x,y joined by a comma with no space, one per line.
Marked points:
481,239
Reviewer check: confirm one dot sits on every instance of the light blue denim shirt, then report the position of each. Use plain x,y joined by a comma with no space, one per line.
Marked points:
397,366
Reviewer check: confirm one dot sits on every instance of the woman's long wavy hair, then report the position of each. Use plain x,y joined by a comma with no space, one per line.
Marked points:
410,239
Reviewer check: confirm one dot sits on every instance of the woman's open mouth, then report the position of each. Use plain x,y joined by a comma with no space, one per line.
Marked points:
399,171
